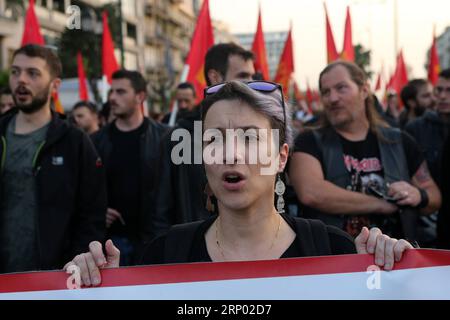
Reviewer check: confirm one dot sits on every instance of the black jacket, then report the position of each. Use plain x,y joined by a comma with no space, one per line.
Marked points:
71,197
443,223
180,196
150,154
430,133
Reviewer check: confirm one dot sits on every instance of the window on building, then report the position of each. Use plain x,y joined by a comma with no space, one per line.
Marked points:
59,5
131,31
42,3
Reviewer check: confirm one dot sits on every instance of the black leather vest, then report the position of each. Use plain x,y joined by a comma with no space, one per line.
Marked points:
394,163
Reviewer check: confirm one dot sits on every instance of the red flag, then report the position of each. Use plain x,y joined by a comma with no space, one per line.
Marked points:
400,77
32,35
286,64
202,40
259,49
348,52
434,67
109,62
31,31
83,91
57,103
332,54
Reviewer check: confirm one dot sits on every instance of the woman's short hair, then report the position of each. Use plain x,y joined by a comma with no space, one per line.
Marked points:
268,104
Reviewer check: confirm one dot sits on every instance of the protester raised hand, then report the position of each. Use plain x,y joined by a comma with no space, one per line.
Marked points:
90,263
387,250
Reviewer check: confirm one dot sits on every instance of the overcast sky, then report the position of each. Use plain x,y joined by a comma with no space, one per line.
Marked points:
372,22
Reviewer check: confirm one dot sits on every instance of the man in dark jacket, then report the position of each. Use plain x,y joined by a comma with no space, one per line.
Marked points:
53,196
180,195
430,132
443,223
185,98
130,149
417,96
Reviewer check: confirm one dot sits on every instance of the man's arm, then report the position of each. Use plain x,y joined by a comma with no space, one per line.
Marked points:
409,194
314,191
423,180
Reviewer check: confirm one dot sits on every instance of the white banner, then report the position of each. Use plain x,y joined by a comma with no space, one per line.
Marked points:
422,274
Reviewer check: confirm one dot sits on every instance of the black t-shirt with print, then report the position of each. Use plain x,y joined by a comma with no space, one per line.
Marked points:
363,162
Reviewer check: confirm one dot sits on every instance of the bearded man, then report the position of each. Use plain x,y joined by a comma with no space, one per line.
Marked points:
52,183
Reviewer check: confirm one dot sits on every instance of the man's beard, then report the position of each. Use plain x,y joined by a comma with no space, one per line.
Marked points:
37,102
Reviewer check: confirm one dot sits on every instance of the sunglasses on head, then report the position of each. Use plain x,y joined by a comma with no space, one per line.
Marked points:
257,85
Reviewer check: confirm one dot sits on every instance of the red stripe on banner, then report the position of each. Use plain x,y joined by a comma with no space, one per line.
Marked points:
194,272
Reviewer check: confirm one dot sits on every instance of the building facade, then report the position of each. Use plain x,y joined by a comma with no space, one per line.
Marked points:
156,35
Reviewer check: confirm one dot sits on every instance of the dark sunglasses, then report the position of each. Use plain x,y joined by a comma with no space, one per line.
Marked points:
257,85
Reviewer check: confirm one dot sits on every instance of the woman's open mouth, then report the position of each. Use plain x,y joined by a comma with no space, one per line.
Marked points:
233,181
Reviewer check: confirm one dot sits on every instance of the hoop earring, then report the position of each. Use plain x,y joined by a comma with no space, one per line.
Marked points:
280,188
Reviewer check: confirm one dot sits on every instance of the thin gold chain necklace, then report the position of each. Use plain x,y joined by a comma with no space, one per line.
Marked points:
221,249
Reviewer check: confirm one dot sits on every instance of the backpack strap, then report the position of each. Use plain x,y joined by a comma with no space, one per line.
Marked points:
313,237
179,240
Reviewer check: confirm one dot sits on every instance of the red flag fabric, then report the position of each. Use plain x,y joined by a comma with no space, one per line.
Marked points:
83,91
348,52
286,64
57,103
202,40
332,53
32,35
259,50
400,77
31,31
109,61
434,67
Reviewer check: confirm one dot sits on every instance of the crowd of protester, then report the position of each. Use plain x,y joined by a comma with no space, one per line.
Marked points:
368,169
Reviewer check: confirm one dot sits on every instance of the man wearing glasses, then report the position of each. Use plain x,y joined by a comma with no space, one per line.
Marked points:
430,132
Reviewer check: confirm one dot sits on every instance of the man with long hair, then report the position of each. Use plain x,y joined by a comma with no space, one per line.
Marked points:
355,170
